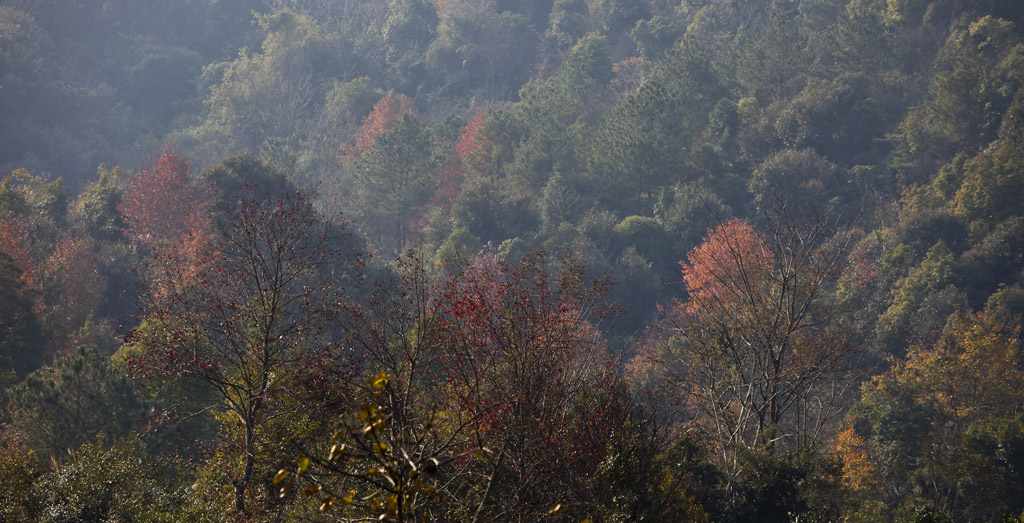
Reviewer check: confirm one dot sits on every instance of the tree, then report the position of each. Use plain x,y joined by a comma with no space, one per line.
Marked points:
72,289
97,207
14,242
386,113
492,51
18,500
384,456
162,204
525,342
772,66
977,72
762,352
933,423
459,245
393,181
643,141
453,171
117,481
487,388
349,102
259,297
909,293
807,180
486,146
21,338
409,27
990,180
32,218
653,37
992,260
271,93
70,402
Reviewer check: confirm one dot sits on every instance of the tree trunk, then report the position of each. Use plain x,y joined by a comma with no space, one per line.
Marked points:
243,482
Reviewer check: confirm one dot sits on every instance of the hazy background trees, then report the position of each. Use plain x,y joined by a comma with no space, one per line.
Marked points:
805,219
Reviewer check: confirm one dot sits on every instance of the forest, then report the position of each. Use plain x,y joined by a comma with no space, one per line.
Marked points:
496,260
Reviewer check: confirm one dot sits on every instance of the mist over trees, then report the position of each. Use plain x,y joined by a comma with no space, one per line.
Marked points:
573,260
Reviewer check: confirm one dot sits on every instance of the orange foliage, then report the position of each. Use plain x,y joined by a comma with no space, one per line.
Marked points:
386,113
470,141
756,339
479,152
859,471
453,173
732,261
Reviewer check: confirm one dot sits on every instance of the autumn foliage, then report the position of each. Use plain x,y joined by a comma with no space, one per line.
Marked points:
495,375
757,350
243,310
723,270
478,149
388,111
453,172
72,288
471,140
163,204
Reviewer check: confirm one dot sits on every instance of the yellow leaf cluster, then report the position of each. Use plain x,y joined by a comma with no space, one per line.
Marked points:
859,472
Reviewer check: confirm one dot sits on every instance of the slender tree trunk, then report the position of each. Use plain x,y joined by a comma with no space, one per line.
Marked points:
491,481
773,404
242,483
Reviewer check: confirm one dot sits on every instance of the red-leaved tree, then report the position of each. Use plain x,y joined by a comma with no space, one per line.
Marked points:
487,394
162,203
529,364
453,172
72,289
485,144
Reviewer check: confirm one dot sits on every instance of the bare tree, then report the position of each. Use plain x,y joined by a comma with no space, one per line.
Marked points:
760,351
239,308
484,397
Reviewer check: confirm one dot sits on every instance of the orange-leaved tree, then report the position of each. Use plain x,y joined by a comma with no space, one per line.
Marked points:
760,352
72,289
386,113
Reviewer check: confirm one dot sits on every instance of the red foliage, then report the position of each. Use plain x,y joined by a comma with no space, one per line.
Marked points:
864,262
386,113
453,173
471,141
243,310
520,353
449,183
221,288
757,338
162,204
